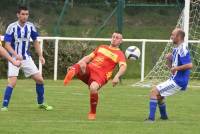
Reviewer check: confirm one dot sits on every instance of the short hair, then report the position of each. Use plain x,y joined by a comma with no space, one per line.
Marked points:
118,32
181,33
20,8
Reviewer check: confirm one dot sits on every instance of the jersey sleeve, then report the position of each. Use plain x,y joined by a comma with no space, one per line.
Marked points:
185,59
34,33
8,37
121,59
94,53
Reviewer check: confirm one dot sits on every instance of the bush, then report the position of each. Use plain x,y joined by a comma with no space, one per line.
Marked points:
69,52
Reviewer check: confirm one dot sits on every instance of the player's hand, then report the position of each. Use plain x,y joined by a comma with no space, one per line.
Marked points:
19,57
115,81
16,63
42,60
168,56
173,70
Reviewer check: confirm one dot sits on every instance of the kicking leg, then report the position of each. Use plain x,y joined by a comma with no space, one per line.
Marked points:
74,70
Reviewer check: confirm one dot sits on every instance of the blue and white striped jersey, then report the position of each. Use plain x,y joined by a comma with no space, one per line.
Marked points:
181,56
19,37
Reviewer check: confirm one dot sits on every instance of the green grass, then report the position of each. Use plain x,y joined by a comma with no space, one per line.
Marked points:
121,110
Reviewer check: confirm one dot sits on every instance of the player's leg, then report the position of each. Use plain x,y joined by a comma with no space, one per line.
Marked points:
162,108
40,91
153,103
94,87
8,93
164,89
74,70
30,69
13,72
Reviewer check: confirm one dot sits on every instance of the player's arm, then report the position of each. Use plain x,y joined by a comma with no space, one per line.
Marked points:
39,51
5,54
169,60
182,67
122,70
10,50
87,58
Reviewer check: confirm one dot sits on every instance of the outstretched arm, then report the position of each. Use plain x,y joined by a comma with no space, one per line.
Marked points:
121,71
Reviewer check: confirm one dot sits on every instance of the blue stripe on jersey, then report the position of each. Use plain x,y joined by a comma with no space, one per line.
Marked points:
18,32
34,34
19,37
25,31
23,49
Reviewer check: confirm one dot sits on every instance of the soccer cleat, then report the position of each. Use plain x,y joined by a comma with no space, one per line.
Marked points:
164,118
4,109
70,74
148,120
91,116
45,107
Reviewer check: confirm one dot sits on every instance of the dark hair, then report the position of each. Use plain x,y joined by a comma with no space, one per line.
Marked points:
118,32
20,8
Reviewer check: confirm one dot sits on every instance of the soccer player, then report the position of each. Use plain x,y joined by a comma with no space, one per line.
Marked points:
179,63
5,54
17,42
96,69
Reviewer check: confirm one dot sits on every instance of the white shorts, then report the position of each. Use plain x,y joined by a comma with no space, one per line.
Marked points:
168,88
28,66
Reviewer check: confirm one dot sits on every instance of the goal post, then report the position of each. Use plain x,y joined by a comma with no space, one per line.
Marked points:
189,22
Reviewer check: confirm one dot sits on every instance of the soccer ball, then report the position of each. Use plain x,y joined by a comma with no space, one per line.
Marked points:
132,53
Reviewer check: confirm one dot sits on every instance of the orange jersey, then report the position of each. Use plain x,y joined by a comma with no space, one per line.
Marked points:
105,58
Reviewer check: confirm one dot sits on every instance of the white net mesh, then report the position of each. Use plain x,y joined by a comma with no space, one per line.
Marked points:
160,72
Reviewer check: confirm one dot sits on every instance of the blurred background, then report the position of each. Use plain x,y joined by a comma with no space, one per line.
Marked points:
136,19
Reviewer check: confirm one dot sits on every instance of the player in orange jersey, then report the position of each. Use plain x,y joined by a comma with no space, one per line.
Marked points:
96,69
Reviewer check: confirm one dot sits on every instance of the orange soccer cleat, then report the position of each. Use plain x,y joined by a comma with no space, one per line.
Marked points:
91,116
70,74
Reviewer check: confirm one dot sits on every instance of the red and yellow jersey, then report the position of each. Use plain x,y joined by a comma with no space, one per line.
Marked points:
105,58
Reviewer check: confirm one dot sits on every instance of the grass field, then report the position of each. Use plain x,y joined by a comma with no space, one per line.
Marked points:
121,110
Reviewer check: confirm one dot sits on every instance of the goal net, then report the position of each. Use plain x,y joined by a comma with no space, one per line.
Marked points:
160,72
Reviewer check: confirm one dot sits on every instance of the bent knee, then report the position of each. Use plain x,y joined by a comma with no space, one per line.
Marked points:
154,92
94,86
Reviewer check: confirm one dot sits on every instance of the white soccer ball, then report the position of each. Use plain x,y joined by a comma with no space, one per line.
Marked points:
132,53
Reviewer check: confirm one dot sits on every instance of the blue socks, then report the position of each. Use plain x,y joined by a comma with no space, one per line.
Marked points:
152,108
7,95
40,93
162,108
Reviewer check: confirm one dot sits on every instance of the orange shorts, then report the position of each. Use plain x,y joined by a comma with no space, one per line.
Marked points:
91,75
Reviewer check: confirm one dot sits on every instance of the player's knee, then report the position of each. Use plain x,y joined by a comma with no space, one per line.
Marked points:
12,84
154,92
82,65
94,87
40,80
